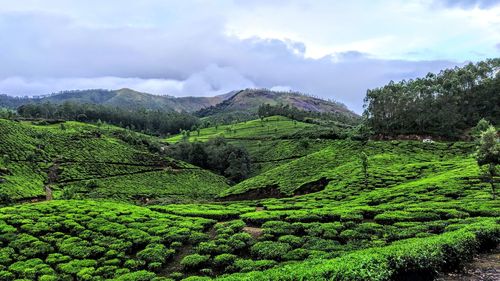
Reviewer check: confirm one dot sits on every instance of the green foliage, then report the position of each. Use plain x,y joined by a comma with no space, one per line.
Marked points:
86,161
217,155
155,253
158,122
194,261
441,104
270,250
224,260
489,154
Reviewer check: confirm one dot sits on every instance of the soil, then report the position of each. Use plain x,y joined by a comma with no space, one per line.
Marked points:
254,231
484,267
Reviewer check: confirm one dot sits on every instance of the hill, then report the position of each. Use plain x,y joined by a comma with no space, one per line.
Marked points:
247,102
270,141
422,210
123,98
445,104
77,160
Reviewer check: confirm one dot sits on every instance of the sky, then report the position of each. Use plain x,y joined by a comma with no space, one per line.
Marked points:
331,49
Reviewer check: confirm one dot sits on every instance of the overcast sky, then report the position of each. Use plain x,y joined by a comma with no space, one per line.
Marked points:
332,49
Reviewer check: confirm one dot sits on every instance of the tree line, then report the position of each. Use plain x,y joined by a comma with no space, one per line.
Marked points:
443,104
155,122
232,162
266,110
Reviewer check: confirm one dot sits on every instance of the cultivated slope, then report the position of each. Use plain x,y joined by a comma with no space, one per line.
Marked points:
80,160
270,141
423,209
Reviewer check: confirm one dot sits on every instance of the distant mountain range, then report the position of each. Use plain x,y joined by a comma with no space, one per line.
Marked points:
124,98
247,101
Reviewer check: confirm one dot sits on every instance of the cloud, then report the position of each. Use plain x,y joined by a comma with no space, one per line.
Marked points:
211,81
469,3
55,47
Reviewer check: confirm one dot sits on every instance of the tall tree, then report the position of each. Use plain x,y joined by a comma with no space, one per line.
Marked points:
488,154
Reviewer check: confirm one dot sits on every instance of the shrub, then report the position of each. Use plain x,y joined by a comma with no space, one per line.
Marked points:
75,247
247,265
56,258
258,218
224,260
194,261
74,266
47,278
278,227
270,250
106,271
134,264
155,266
292,240
141,275
212,248
155,253
297,254
30,268
6,276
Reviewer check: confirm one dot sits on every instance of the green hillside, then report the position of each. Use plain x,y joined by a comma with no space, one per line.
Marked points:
340,158
297,200
258,129
81,160
423,209
270,141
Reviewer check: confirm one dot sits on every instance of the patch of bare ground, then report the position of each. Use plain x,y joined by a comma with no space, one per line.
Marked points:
254,231
484,267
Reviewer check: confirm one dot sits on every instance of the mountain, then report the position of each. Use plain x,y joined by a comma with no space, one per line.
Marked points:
249,100
124,98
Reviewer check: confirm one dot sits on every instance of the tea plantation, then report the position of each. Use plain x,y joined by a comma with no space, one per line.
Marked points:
77,160
121,210
271,141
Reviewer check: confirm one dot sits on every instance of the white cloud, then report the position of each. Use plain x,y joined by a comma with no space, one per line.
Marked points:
330,49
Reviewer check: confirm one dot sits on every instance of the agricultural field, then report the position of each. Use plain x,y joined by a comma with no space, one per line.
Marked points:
78,160
421,208
265,128
270,141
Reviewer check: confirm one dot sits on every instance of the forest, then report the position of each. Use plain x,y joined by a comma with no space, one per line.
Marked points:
442,104
156,122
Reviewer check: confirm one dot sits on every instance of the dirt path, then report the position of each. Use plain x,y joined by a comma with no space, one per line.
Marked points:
484,267
52,176
48,193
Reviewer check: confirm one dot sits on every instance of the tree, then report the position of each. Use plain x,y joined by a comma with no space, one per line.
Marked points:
364,167
481,126
488,154
443,104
